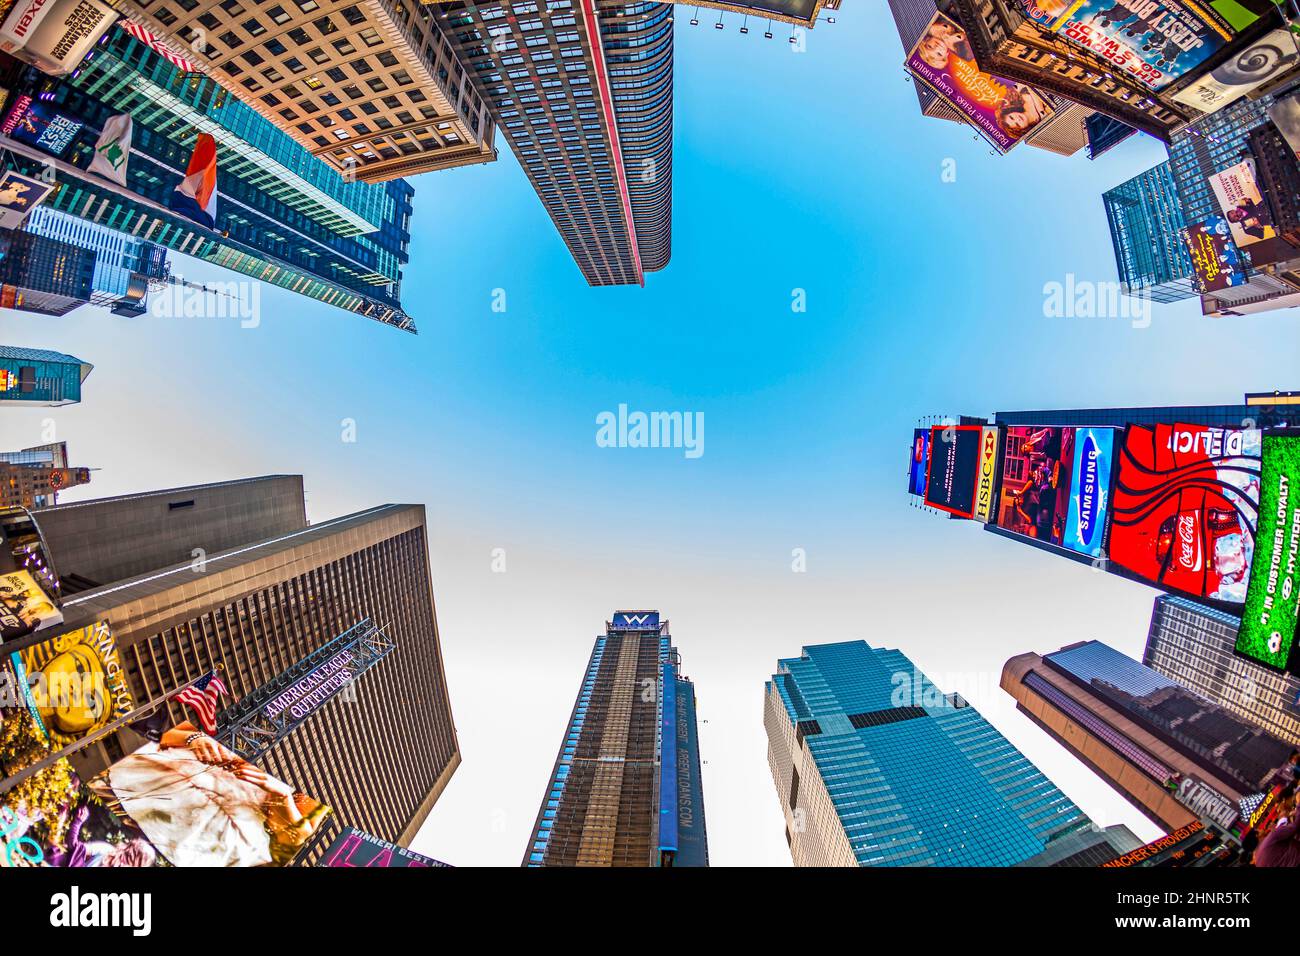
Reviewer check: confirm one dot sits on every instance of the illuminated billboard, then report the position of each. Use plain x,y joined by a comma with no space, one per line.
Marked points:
954,468
1155,41
1216,261
1268,621
799,12
1002,111
1185,508
196,803
1056,485
38,124
1265,60
24,606
1240,201
985,479
74,683
920,462
635,620
353,847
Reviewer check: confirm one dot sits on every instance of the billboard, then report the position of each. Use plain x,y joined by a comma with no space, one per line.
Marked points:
1184,508
985,480
19,195
1268,621
196,803
1249,219
1216,261
1254,66
39,124
1002,111
24,606
954,467
635,620
1056,485
1155,41
54,35
74,683
353,847
920,462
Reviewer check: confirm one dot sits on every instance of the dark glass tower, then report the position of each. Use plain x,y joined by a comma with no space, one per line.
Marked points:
874,766
583,92
626,789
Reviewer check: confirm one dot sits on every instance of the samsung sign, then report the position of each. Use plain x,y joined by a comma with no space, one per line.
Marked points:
635,621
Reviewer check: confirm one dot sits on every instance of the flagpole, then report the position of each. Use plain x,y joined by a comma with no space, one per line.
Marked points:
140,712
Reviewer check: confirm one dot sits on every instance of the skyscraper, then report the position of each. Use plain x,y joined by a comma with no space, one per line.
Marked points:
371,88
583,92
874,766
380,755
626,787
44,275
1145,218
33,477
40,377
1175,756
283,217
1192,644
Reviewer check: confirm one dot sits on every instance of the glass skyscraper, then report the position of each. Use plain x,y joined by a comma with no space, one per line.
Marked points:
626,788
874,766
1145,219
1193,644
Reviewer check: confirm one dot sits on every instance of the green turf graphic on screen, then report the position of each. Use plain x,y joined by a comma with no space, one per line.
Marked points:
1268,621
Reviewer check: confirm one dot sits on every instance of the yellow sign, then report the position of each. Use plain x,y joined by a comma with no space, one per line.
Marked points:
77,683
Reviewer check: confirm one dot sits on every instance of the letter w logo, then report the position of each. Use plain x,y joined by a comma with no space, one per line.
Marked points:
635,619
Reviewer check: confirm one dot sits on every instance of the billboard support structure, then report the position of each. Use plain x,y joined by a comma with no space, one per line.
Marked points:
262,719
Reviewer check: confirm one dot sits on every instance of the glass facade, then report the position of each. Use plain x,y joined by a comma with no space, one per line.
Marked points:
1210,145
1193,645
1145,220
916,778
40,377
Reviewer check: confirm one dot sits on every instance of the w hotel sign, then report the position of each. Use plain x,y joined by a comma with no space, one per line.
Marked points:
635,621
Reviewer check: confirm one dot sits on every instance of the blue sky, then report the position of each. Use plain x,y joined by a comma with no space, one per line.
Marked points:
810,171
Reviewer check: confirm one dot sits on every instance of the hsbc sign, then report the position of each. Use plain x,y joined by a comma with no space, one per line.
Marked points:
984,480
635,620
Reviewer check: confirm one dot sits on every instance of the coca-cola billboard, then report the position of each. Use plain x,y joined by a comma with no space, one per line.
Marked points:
1185,508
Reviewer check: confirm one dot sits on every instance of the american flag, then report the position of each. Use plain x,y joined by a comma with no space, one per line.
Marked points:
153,43
201,697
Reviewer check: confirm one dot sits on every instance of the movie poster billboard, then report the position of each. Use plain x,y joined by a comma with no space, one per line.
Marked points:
1185,508
39,124
1240,201
1268,620
1155,41
74,683
196,803
1228,82
1002,111
19,195
1217,263
354,847
920,462
954,468
24,606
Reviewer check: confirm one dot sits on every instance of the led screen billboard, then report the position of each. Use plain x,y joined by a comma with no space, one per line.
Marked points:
920,462
25,606
1184,508
1268,621
354,847
74,683
1002,111
1217,263
1155,41
38,124
1242,205
985,480
197,803
954,468
1056,485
